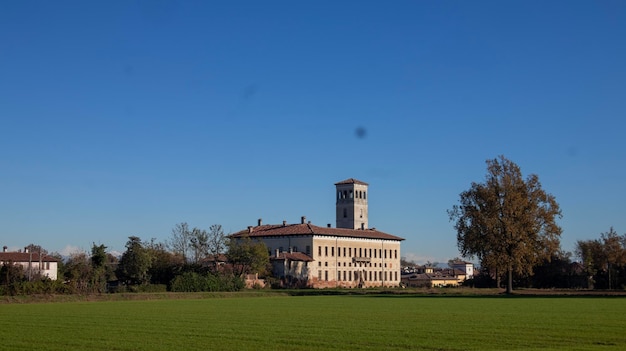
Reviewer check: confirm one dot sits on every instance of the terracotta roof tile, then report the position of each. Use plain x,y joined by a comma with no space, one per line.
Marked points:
310,229
25,257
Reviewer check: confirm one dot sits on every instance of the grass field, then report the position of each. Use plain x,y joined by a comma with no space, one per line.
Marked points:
368,322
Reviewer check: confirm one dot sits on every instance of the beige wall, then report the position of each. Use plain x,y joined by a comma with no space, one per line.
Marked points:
366,262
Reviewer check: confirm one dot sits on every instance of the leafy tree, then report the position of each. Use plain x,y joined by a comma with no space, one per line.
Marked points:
248,256
135,262
78,272
99,266
11,273
592,255
507,222
165,265
614,253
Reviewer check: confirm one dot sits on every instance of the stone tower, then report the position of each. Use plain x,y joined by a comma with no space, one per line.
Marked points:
351,204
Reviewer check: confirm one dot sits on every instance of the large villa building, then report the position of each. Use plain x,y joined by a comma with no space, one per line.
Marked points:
348,255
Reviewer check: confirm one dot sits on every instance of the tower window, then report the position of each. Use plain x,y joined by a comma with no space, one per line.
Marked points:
345,194
351,194
364,196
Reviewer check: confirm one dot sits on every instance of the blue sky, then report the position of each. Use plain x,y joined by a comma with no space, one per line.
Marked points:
126,118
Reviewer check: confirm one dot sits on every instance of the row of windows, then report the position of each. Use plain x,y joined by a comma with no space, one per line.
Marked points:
358,252
366,276
350,194
360,264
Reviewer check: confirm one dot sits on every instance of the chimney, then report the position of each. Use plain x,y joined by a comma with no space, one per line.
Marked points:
303,219
26,250
328,225
284,223
4,249
260,222
362,226
277,252
249,229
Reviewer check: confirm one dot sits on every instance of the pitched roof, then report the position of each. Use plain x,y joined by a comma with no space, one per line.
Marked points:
25,257
310,229
351,181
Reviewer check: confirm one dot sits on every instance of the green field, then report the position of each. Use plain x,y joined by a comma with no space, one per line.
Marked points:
319,323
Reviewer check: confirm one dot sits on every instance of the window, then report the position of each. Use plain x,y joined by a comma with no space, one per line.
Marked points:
374,253
385,275
370,253
349,275
351,194
360,252
319,274
361,213
325,250
320,263
364,196
319,251
371,275
326,264
395,253
344,252
295,249
326,275
385,253
350,251
332,251
395,275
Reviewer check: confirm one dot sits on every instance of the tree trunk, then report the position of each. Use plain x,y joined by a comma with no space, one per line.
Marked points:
509,284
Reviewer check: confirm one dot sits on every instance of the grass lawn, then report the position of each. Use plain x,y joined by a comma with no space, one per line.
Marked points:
366,322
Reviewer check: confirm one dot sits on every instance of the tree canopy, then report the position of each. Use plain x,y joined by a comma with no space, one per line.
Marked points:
507,222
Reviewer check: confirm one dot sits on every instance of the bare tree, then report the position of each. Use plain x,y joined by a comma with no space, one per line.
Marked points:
180,243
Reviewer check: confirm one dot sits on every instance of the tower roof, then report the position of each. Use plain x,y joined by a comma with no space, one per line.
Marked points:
351,181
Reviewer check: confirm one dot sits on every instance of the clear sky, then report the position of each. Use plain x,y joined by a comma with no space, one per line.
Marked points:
124,118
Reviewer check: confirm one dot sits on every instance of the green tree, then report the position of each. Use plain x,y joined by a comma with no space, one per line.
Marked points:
592,257
248,256
135,262
99,267
507,222
78,272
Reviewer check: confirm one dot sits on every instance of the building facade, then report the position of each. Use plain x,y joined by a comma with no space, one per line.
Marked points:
351,255
34,265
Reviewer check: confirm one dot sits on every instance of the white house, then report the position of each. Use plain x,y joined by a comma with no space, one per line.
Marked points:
33,264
